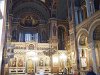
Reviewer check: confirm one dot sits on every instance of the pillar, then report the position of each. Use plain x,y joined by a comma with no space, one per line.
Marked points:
92,47
72,33
92,6
54,8
80,15
76,15
2,29
53,40
88,7
9,27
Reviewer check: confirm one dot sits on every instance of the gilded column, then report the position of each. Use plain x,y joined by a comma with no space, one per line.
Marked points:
72,33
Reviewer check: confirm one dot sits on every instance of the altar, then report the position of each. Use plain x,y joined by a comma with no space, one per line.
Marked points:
32,57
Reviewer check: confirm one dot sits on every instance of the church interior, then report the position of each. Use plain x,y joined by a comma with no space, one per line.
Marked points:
49,35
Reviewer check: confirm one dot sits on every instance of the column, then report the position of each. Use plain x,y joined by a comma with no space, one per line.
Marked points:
53,32
54,8
69,11
10,25
73,41
80,15
88,7
20,37
92,7
92,47
53,28
76,16
2,29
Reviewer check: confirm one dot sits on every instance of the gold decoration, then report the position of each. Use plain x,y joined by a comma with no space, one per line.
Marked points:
28,21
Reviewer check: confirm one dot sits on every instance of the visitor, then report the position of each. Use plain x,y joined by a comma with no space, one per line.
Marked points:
32,73
75,72
41,72
90,72
65,71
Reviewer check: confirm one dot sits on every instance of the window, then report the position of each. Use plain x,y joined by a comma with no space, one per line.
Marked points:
27,37
31,37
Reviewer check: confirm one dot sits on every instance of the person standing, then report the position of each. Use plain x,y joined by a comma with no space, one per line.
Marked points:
41,72
90,72
75,72
32,73
65,71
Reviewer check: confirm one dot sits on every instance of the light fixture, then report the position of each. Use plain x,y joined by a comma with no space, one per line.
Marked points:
63,56
31,53
35,58
55,59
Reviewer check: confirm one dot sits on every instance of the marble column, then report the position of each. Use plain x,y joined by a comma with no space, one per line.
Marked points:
76,16
92,6
88,7
92,47
80,15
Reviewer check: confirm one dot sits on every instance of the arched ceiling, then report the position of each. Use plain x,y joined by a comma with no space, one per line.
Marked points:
19,7
43,9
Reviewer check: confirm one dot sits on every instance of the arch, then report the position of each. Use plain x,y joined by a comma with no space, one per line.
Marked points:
82,45
62,26
80,32
92,28
35,7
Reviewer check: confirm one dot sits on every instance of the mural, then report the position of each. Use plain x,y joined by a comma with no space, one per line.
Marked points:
20,63
30,66
14,62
